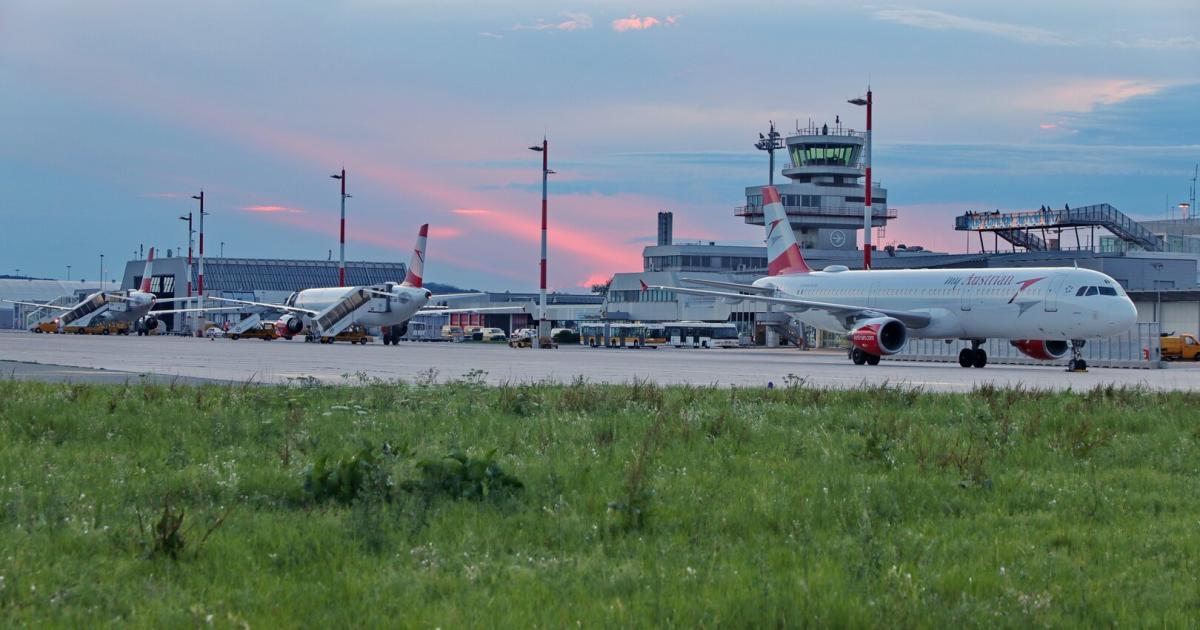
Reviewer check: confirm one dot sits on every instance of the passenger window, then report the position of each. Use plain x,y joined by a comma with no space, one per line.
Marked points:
1092,291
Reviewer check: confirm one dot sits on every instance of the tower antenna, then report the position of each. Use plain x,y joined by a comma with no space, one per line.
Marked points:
770,143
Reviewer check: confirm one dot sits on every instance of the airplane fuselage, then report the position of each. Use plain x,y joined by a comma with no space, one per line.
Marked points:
393,310
1004,303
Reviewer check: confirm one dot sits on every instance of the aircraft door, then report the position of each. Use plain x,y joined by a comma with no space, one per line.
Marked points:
873,296
1051,300
965,295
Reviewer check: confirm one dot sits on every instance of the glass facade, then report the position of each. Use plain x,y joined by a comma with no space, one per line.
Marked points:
649,295
293,275
703,263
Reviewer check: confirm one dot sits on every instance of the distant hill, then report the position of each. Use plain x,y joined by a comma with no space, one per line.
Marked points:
439,288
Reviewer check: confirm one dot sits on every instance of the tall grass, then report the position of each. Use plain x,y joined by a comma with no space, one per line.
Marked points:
638,505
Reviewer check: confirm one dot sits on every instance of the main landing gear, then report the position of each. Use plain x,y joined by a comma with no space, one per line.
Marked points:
859,357
973,356
1077,364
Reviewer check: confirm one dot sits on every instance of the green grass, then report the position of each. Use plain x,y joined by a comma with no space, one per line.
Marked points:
641,505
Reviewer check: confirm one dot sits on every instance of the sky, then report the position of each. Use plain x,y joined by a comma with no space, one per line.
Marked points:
117,112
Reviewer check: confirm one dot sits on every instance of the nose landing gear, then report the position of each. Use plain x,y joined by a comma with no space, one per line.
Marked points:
1077,364
973,356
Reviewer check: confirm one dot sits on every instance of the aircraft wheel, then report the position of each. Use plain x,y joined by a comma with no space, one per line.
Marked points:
234,336
1081,365
980,359
966,357
872,359
858,356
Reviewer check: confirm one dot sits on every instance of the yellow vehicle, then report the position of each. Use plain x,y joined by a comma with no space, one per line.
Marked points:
45,327
354,334
265,331
103,328
1180,347
621,335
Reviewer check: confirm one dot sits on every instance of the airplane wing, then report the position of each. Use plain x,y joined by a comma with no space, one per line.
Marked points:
278,307
61,308
197,310
450,296
849,312
497,310
733,286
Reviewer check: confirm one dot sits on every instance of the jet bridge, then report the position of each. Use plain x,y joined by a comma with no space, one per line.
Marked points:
1030,230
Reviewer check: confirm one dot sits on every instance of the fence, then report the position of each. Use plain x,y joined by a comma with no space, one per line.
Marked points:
1138,348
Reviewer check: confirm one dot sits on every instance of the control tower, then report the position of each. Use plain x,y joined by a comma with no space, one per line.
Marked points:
823,196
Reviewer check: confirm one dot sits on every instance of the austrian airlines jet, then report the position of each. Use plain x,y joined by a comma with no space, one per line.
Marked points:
1043,311
120,306
390,305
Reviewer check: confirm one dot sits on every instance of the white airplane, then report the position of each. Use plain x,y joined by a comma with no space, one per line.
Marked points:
118,306
390,306
1043,311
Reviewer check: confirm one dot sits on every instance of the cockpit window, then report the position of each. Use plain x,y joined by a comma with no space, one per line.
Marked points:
1092,291
1081,291
1107,291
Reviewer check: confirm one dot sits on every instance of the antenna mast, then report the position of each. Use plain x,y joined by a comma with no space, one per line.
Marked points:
770,143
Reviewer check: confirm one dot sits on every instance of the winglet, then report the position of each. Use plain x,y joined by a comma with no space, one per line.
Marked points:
645,287
783,253
147,274
416,267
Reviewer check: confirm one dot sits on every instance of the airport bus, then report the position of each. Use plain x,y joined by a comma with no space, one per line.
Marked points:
621,335
701,334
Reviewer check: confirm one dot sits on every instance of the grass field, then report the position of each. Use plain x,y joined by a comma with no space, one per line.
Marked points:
640,506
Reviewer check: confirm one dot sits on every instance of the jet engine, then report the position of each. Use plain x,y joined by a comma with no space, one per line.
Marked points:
880,336
288,326
1042,349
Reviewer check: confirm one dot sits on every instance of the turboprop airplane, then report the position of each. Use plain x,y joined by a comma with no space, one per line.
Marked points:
119,306
1045,312
326,311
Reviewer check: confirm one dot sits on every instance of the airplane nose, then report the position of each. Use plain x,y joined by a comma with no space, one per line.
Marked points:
1126,316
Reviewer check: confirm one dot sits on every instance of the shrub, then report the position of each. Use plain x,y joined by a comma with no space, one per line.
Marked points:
346,478
459,476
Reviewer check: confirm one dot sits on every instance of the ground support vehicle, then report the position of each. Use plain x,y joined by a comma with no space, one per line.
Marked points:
265,331
1184,347
356,333
102,328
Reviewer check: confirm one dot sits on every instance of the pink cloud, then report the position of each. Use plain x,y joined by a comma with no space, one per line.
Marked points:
470,211
269,209
1048,126
635,23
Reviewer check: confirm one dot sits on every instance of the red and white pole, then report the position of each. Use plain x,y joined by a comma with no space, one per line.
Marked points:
200,279
545,173
342,241
867,218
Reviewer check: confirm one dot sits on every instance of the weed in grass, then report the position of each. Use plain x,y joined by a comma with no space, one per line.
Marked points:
630,512
426,378
346,478
1081,437
167,536
969,461
458,476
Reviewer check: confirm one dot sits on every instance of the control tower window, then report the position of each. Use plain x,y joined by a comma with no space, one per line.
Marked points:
823,155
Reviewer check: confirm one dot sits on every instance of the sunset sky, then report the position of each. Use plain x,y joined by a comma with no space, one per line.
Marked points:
115,113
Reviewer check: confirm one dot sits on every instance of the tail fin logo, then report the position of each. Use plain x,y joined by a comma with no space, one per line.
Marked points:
416,267
147,274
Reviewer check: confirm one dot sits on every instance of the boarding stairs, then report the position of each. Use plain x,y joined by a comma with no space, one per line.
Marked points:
788,327
338,316
45,314
250,323
86,311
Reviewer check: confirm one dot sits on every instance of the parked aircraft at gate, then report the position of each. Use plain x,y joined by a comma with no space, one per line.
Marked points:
1045,312
119,306
326,311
